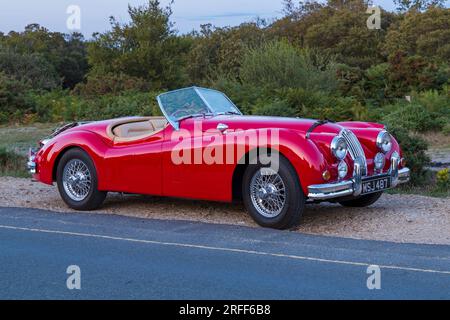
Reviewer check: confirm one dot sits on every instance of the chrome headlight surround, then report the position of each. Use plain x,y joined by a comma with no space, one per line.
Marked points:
384,141
339,148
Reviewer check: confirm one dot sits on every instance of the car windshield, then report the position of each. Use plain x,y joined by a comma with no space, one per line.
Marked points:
192,102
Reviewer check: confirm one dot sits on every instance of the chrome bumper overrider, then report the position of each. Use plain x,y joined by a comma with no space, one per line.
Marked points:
353,187
31,164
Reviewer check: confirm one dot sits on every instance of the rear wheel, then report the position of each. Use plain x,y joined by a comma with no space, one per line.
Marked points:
363,201
77,181
274,199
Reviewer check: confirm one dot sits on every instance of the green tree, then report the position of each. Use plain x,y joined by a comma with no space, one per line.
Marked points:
338,27
421,33
147,47
31,69
66,53
405,5
14,100
219,51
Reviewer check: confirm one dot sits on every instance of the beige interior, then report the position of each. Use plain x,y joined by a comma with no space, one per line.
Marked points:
136,128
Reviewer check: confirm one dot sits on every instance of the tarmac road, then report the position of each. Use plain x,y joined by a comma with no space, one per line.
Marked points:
129,258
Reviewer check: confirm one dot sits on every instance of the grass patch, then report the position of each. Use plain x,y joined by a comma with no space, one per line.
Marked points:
429,187
19,139
14,144
12,164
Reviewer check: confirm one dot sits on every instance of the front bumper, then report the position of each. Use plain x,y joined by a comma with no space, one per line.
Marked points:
353,187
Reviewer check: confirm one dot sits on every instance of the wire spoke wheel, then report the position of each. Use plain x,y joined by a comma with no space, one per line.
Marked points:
268,192
77,180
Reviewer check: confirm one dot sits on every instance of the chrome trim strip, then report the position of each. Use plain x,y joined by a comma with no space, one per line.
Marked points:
332,187
357,177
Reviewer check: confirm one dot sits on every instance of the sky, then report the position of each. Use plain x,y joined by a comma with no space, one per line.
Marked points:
187,14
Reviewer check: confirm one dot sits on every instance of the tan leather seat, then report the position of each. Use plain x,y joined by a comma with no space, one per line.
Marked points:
136,129
129,130
159,124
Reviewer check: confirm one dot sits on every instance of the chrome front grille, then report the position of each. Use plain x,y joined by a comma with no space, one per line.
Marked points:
355,149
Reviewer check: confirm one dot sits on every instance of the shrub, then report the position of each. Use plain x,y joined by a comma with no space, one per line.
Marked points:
375,84
32,69
435,102
275,108
428,111
14,99
446,129
244,95
281,65
443,179
109,83
320,105
414,149
12,164
413,116
62,106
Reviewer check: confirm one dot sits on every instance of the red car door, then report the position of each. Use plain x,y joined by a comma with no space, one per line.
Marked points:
195,178
136,166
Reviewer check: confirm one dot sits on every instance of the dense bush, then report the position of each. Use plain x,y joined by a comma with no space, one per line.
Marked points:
414,151
52,52
14,98
428,111
12,164
32,69
443,179
109,83
424,33
281,65
62,106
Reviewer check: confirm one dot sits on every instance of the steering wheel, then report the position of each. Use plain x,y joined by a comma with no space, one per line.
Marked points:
186,110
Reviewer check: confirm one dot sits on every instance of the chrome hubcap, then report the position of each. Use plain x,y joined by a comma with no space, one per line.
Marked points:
77,180
268,192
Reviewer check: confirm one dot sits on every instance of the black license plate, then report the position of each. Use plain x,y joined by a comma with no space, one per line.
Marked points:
377,184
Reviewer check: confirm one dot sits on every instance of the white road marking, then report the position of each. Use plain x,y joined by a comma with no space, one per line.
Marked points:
194,246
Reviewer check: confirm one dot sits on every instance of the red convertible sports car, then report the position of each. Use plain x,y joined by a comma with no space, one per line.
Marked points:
205,148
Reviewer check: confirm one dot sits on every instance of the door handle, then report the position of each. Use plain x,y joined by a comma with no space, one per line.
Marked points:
222,127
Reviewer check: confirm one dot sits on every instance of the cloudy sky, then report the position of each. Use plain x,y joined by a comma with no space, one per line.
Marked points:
188,14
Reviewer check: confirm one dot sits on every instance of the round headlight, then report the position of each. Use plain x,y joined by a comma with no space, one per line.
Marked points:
379,161
384,141
339,148
342,170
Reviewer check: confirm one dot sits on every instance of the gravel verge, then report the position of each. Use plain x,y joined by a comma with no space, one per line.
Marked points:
396,218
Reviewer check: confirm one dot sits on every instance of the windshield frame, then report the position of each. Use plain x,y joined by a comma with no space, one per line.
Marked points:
176,123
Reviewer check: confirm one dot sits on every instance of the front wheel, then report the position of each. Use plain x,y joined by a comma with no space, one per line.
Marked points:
363,201
274,199
77,181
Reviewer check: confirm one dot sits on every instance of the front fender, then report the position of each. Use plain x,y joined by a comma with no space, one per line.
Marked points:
50,154
304,155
